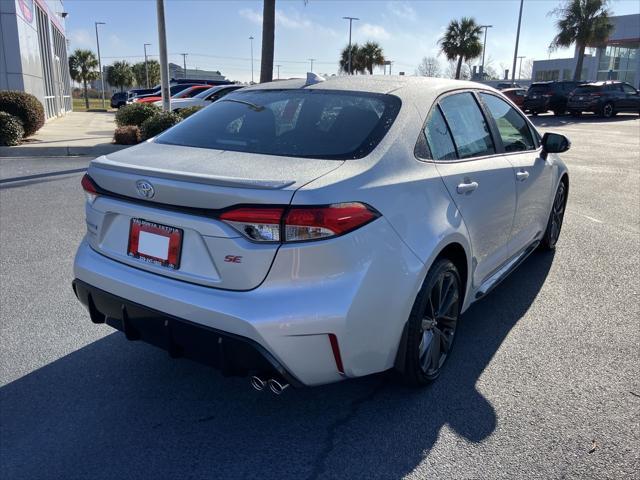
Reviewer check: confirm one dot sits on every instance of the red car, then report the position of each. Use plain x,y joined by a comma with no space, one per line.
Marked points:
516,95
186,93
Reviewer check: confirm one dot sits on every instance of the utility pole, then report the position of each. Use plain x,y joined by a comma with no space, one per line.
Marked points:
164,62
251,38
100,61
515,54
520,69
351,19
146,67
311,60
184,64
484,47
278,67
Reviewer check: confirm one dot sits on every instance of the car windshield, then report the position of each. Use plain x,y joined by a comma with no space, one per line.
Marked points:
323,124
539,88
586,89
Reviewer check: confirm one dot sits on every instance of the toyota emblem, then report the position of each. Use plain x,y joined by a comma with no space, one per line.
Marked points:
145,189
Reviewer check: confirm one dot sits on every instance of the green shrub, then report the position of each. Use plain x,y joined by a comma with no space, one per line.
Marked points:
136,114
11,131
188,111
127,135
158,124
24,106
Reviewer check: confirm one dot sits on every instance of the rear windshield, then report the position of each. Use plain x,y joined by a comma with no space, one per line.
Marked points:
539,88
322,124
587,89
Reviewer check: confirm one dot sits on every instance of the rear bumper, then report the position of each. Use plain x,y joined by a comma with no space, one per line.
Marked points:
232,354
536,105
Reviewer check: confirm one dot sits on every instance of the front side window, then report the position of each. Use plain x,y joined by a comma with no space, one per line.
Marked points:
513,128
629,89
438,137
468,126
324,124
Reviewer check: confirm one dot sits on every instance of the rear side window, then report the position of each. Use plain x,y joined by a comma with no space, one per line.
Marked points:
325,124
513,128
539,89
438,137
587,89
469,128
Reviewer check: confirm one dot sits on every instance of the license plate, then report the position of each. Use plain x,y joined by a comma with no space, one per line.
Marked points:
155,243
580,98
534,96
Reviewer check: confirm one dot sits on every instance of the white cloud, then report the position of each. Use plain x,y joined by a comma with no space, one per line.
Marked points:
402,10
81,39
293,21
252,15
370,31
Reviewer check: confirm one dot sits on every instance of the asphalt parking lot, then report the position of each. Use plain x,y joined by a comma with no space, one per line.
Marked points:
544,382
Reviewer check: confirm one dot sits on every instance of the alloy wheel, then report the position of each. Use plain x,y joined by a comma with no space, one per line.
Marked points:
557,214
607,110
439,324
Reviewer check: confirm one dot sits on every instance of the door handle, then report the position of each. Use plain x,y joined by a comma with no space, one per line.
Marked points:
522,175
467,187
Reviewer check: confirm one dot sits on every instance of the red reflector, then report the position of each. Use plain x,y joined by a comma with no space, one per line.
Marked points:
88,185
339,218
336,352
271,215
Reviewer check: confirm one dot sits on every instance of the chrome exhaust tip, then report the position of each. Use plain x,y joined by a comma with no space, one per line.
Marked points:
276,387
258,383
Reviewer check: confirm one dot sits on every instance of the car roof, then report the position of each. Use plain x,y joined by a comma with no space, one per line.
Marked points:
512,89
402,86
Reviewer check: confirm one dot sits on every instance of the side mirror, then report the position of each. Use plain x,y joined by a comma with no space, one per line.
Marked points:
554,143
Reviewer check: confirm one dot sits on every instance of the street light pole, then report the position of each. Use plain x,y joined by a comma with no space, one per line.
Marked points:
251,38
520,69
184,64
351,19
164,62
515,54
99,60
484,46
146,67
278,67
311,60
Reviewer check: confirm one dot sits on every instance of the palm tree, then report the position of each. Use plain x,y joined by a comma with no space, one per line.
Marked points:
583,22
357,59
372,56
268,35
461,41
83,66
140,74
120,75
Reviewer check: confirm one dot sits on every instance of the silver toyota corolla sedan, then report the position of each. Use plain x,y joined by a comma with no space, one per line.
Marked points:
304,232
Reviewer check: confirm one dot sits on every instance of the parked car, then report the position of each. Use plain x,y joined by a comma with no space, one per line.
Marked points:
119,99
186,93
173,89
134,92
204,98
544,96
305,232
604,98
516,95
211,83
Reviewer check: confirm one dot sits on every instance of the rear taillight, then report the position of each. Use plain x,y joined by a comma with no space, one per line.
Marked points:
595,94
297,224
90,188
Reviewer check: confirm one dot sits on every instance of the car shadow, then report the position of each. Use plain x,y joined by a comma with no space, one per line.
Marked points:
118,409
565,120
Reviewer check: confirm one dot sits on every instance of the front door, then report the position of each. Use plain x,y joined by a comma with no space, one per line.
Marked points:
479,180
532,174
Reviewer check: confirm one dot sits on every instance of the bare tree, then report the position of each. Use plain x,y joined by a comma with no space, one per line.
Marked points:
429,67
527,68
452,70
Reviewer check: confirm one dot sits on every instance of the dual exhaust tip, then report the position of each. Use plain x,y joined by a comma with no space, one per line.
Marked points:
276,386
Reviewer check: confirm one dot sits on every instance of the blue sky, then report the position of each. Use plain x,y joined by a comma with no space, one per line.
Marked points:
216,33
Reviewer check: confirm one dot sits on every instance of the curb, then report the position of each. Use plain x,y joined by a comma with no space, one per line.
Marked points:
66,151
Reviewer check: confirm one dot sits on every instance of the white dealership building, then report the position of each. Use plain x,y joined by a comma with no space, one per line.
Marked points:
33,52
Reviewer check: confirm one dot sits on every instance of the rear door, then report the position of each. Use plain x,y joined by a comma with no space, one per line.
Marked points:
631,98
532,174
479,180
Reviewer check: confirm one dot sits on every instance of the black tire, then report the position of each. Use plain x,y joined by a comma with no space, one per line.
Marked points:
556,217
428,328
558,113
608,111
575,113
534,113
